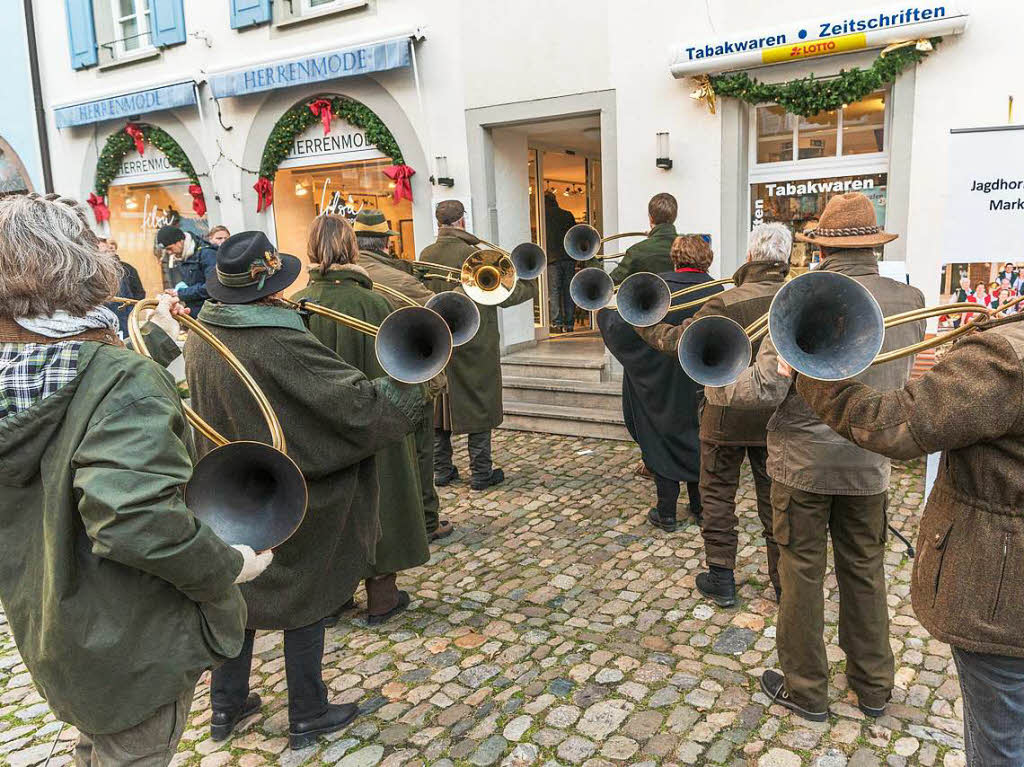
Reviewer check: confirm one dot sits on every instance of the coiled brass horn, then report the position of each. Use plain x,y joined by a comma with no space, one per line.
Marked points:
487,276
583,242
413,344
248,493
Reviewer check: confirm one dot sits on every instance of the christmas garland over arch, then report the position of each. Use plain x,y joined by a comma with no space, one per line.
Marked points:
137,135
810,95
322,109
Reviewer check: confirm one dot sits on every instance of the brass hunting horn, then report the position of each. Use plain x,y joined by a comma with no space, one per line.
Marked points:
248,492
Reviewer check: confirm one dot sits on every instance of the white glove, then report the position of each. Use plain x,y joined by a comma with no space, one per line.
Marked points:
162,317
253,564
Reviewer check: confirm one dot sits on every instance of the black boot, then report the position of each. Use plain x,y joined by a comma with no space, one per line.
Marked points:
302,734
442,480
668,524
496,478
718,585
223,723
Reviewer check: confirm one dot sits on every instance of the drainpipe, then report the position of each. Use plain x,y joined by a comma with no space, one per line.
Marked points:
37,97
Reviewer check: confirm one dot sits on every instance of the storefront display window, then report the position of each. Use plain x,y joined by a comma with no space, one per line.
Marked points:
798,204
857,128
303,193
137,211
12,179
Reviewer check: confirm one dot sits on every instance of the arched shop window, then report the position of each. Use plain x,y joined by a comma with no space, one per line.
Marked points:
13,178
137,192
798,163
331,164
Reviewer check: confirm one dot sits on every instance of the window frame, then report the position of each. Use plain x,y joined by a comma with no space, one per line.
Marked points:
116,46
833,165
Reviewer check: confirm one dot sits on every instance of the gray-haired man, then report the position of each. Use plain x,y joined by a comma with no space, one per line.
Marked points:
727,434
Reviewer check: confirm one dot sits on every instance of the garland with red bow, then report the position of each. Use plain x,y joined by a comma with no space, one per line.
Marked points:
323,108
136,136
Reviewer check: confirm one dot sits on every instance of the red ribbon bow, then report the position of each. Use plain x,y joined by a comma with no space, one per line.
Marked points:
264,194
322,109
136,133
198,199
99,207
400,174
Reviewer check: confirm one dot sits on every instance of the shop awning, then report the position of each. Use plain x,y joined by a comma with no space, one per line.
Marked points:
811,38
313,68
124,105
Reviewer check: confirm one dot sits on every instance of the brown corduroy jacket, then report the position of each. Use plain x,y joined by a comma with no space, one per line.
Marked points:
969,571
755,284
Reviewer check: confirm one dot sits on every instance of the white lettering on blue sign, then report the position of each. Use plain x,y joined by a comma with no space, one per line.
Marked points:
331,65
127,105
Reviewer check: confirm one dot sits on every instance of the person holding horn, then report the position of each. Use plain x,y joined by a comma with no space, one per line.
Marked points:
117,596
472,404
337,281
654,253
969,570
335,423
823,485
729,434
396,274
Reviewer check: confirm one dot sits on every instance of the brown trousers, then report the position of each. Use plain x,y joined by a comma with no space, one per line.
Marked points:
719,482
803,522
151,743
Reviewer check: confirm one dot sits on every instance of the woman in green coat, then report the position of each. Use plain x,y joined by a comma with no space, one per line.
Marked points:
335,422
338,282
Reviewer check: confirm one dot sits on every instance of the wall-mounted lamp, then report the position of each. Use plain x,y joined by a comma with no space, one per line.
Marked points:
663,161
441,166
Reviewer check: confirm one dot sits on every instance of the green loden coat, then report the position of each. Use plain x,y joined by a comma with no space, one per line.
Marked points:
472,403
650,255
335,422
403,542
117,596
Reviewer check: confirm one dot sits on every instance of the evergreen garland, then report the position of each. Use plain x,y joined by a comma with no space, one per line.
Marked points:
300,117
809,95
119,144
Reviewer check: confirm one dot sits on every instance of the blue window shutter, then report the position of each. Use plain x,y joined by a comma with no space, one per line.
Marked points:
249,13
81,33
168,22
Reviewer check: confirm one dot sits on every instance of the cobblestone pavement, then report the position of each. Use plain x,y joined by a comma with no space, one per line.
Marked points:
557,628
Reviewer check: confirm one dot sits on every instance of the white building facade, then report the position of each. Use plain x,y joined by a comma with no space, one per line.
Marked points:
500,101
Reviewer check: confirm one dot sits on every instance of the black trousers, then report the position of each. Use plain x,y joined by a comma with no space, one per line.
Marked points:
303,667
479,453
668,496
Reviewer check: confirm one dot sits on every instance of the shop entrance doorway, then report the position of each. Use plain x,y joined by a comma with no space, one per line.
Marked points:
564,168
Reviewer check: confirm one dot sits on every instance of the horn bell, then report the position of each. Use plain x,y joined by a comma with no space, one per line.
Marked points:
582,242
826,325
713,351
413,344
643,299
459,313
529,260
249,494
591,288
488,277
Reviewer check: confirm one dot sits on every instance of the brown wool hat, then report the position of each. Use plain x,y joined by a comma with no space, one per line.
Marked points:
848,221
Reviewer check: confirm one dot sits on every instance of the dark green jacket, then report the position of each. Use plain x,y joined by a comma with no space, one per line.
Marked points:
650,255
472,403
117,596
335,422
403,542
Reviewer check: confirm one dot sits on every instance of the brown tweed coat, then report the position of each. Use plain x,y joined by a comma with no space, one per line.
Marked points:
969,572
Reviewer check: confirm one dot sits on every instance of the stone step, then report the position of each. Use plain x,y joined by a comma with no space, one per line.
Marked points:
555,419
545,366
602,395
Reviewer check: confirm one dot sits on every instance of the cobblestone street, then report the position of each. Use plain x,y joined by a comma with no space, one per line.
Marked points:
556,627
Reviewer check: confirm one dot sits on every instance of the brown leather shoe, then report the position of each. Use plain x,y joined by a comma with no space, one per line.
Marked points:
444,529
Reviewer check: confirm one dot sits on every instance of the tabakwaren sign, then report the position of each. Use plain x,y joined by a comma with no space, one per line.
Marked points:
816,37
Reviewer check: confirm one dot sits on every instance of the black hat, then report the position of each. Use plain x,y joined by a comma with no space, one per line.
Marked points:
250,268
168,235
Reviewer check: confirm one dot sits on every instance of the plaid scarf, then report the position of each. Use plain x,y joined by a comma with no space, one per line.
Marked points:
31,372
